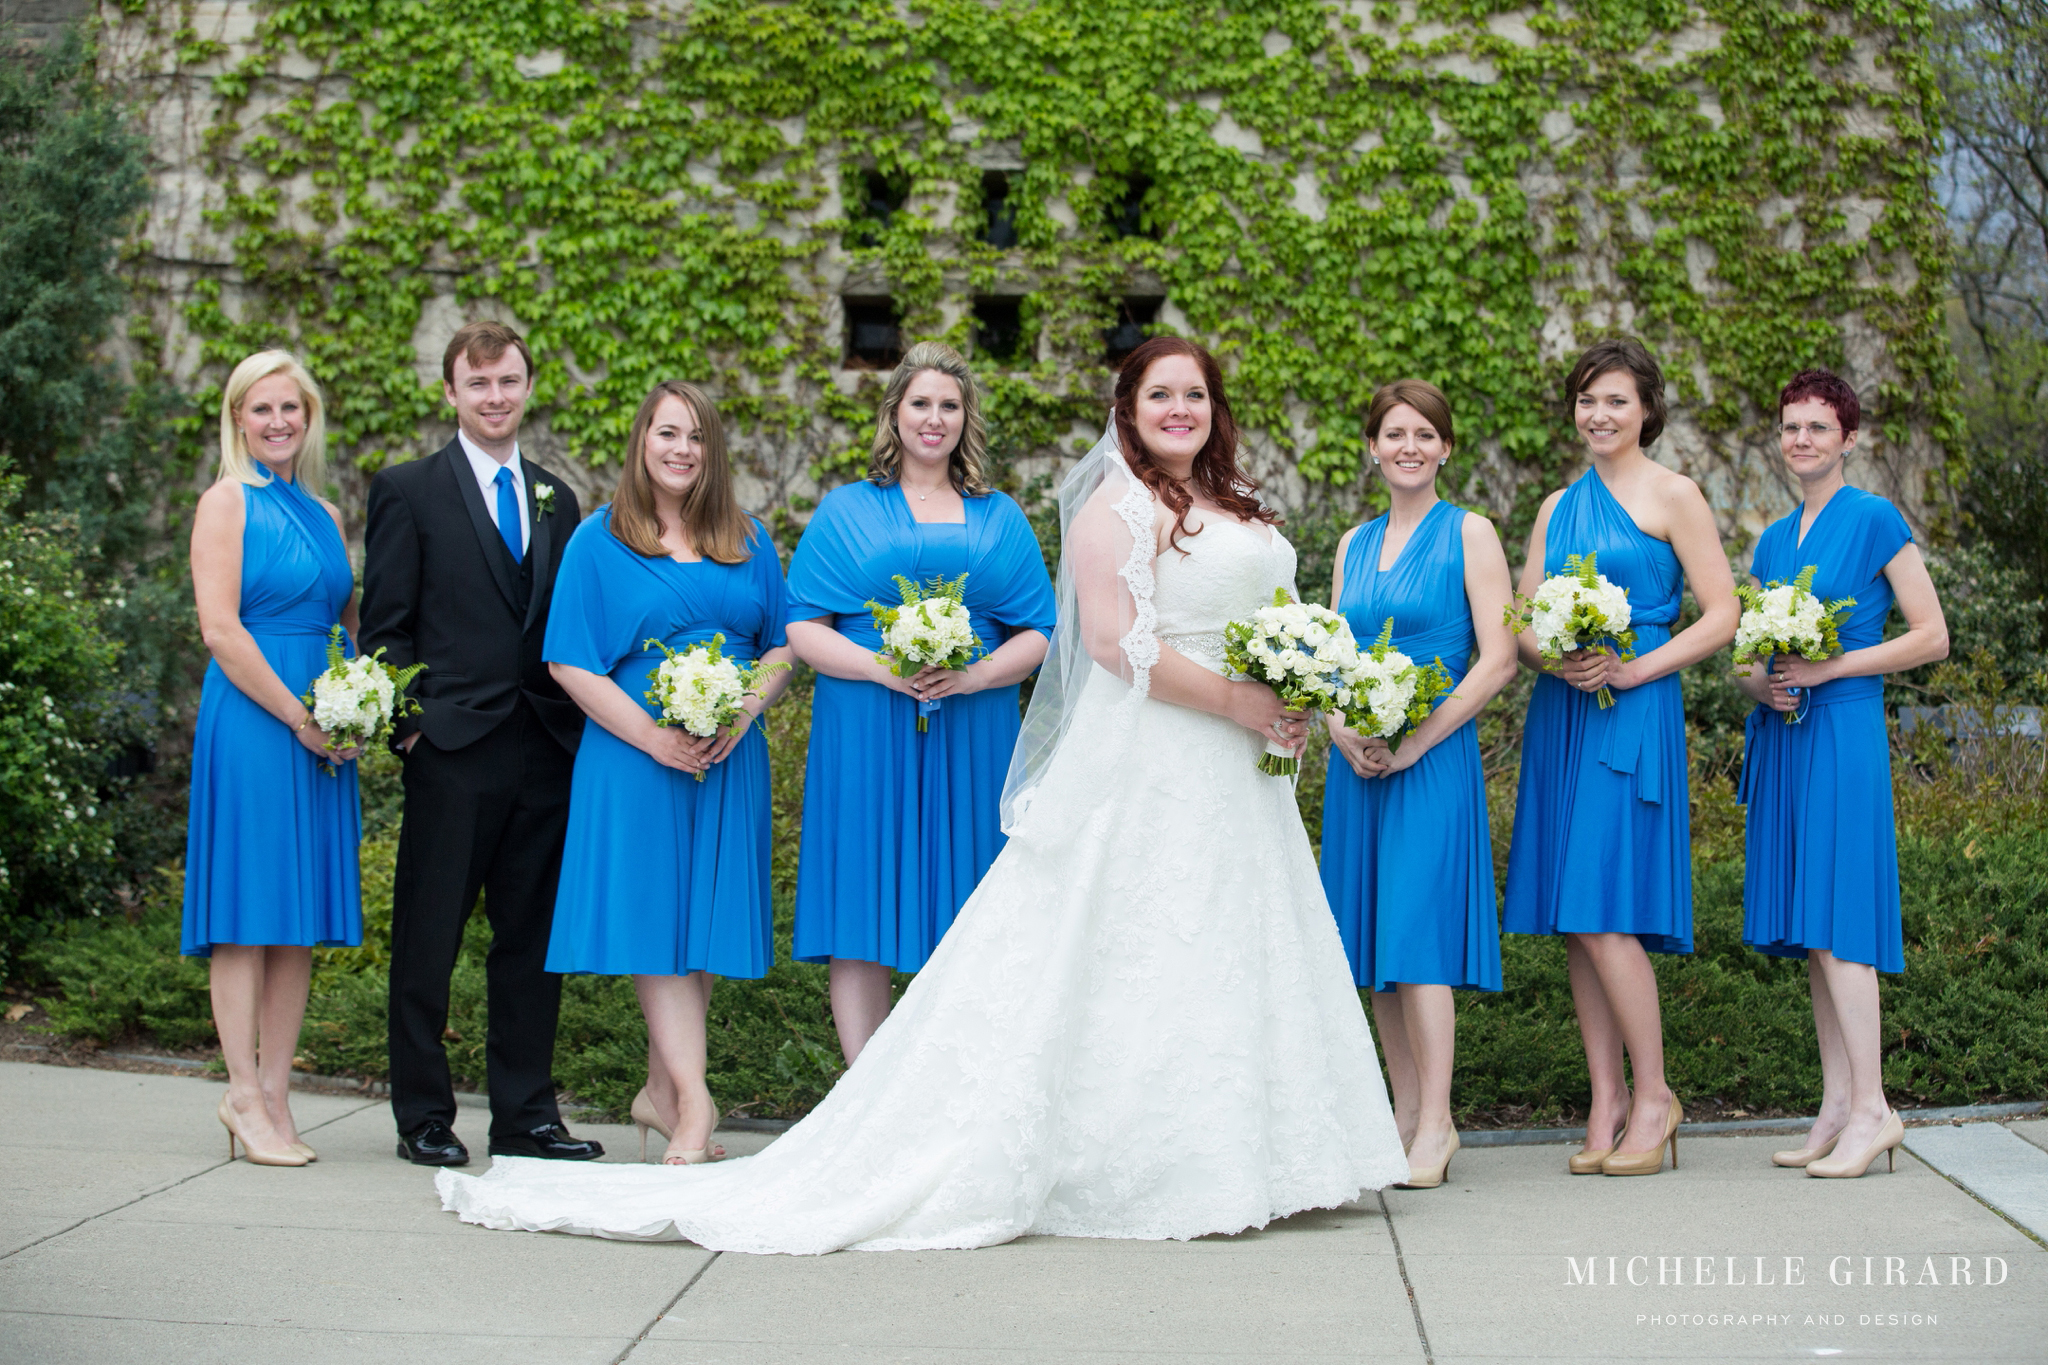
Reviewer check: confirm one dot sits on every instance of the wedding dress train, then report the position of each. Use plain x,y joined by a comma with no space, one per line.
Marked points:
1141,1025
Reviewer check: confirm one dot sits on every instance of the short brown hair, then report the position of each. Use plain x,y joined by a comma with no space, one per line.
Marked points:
712,519
480,343
1630,356
1425,397
968,467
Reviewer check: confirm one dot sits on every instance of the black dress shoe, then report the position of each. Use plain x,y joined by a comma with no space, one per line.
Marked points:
550,1140
433,1143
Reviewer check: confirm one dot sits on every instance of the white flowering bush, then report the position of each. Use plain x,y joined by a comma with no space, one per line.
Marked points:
1577,609
699,689
356,700
930,628
1303,651
1391,693
59,672
1786,618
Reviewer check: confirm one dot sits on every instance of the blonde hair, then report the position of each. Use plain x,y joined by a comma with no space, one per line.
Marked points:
968,466
712,519
309,471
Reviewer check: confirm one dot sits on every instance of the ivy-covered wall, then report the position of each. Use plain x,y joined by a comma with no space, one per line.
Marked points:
1332,194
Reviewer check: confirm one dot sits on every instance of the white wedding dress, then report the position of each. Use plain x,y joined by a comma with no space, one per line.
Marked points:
1141,1024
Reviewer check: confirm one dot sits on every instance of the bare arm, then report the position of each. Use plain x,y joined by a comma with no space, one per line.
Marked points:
821,645
1526,648
605,702
217,592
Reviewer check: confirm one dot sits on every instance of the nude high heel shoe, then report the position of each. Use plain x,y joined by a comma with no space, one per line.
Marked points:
1848,1168
282,1156
1652,1161
1802,1156
645,1114
1429,1177
1586,1161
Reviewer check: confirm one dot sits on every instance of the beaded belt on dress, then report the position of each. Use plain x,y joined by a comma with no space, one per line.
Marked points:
1207,643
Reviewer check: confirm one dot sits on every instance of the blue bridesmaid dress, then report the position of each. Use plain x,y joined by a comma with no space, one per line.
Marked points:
662,875
270,849
1603,826
1822,852
1407,860
899,825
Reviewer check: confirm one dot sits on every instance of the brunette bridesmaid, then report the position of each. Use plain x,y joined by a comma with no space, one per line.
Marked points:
665,870
1822,872
900,823
1602,843
1407,859
270,849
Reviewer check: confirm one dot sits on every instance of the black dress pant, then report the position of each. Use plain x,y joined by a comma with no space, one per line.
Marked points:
488,817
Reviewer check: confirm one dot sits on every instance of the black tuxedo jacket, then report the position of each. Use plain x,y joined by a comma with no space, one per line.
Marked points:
440,588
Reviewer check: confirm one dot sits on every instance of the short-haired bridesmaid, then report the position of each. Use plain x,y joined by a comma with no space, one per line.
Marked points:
900,823
1407,858
1822,861
1602,849
665,871
270,851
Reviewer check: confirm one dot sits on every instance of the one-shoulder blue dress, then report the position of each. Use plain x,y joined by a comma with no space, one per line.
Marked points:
899,825
662,875
1821,849
1603,825
270,850
1407,860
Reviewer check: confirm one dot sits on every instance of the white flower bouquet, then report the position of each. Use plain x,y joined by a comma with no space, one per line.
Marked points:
1304,652
1786,618
1391,694
1576,609
930,628
699,689
355,700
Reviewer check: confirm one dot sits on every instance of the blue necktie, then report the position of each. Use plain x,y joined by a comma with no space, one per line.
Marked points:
508,515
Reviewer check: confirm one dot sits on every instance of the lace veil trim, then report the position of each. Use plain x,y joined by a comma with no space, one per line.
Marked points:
1141,643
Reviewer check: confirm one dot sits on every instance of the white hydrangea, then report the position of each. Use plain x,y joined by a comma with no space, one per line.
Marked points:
1388,686
1558,611
1301,649
1782,620
353,699
696,692
930,631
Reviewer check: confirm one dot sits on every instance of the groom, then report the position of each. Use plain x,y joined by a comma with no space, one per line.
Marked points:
459,556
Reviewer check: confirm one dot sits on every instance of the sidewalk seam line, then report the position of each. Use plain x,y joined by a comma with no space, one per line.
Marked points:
667,1308
151,1194
1401,1264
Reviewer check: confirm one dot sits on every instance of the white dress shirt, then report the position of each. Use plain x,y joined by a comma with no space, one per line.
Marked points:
485,466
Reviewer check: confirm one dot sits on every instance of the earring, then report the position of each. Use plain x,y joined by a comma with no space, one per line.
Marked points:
1443,464
1375,459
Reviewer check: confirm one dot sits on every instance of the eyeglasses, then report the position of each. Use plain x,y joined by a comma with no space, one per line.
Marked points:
1817,430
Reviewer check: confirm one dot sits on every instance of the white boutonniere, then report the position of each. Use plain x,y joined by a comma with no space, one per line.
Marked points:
544,499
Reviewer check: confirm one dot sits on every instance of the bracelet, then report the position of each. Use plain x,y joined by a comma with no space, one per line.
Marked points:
303,724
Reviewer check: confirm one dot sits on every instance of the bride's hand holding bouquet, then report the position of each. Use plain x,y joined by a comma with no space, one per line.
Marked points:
1303,652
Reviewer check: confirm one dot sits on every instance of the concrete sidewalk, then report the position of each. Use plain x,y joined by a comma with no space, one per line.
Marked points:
125,1236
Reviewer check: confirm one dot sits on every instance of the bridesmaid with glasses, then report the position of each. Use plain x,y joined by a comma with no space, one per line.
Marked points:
1407,858
1822,862
1602,850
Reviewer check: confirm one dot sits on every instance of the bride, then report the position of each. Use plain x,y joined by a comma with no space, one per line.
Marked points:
1141,1024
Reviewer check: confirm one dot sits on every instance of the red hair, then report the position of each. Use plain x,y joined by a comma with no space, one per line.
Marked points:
1215,472
1826,387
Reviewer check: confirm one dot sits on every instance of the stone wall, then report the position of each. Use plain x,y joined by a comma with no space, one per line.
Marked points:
179,247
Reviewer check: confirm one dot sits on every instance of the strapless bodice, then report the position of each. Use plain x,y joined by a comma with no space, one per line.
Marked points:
1226,573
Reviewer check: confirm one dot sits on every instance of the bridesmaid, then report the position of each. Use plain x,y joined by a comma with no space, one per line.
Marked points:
1602,843
270,850
1407,860
664,876
1822,876
899,825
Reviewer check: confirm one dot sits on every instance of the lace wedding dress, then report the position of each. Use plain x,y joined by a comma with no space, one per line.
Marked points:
1141,1025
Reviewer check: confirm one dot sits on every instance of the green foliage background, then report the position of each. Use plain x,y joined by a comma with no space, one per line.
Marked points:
664,196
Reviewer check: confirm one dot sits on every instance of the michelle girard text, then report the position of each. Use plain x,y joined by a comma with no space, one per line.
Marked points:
1738,1272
